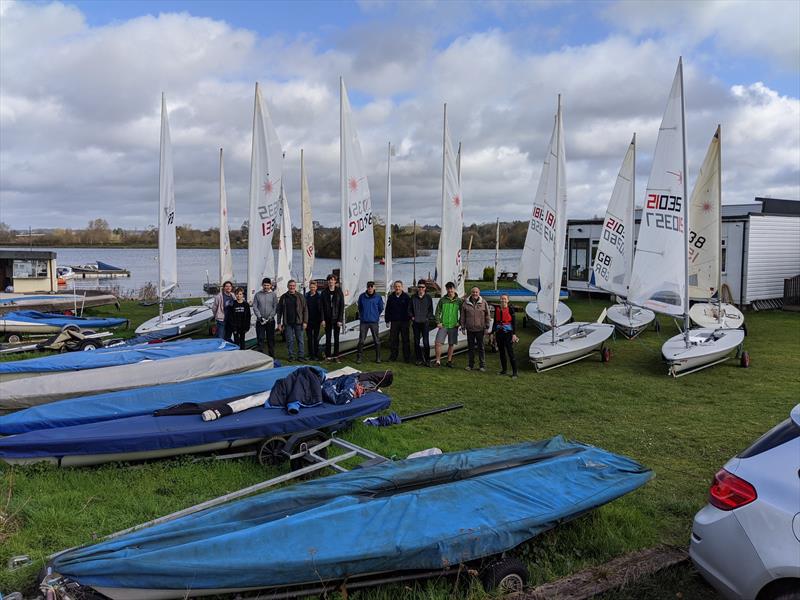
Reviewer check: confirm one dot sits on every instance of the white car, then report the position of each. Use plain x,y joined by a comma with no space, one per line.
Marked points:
746,540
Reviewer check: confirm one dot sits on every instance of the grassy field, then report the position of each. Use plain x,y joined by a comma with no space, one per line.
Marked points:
684,429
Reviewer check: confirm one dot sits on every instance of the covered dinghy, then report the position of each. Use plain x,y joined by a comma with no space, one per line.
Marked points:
109,357
31,391
33,321
494,499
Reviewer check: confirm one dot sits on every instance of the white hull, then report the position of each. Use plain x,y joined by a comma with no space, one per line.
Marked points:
348,338
706,314
707,346
573,342
629,320
542,319
186,320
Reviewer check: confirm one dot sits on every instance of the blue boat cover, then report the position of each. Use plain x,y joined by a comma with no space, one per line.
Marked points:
34,316
424,513
113,356
145,433
28,297
139,401
107,267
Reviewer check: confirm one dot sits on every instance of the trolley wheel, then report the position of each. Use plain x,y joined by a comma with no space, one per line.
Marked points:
605,355
506,575
270,451
87,345
744,361
13,338
299,463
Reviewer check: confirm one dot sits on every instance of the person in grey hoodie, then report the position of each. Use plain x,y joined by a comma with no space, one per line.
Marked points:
265,305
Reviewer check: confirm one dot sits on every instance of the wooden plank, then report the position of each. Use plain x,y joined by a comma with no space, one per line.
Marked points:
623,570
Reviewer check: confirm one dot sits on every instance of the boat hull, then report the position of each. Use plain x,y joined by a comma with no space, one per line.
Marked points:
574,341
55,302
706,314
542,319
630,321
185,321
707,347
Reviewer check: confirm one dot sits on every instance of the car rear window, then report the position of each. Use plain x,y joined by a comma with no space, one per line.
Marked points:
780,434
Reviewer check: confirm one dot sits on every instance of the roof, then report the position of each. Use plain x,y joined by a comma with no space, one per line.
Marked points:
23,254
779,206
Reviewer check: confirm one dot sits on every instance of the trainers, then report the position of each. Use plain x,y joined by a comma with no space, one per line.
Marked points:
502,372
377,360
438,363
449,364
514,376
468,368
482,369
418,363
358,360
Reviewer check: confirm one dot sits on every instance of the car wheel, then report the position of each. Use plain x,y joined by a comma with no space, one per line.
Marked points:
506,575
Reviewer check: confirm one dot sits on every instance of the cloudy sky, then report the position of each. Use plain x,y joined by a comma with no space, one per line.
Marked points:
80,86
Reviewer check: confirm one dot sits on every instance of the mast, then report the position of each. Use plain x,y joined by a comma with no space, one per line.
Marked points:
387,252
306,279
439,255
342,193
685,209
632,220
556,266
496,251
719,225
415,252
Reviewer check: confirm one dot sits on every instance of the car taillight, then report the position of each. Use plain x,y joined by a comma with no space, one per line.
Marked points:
728,491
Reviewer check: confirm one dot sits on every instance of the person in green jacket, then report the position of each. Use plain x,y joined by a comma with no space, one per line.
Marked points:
448,311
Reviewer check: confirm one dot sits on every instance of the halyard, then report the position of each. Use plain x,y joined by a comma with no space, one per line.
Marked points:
684,430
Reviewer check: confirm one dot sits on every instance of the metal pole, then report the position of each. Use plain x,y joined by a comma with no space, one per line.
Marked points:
496,251
415,252
719,224
556,267
685,215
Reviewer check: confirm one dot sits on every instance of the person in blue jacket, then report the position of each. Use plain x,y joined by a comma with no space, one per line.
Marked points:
370,307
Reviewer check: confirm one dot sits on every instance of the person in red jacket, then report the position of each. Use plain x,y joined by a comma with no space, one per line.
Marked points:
505,332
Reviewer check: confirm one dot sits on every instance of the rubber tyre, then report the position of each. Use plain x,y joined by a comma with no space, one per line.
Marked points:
90,345
744,361
505,576
13,338
270,451
605,355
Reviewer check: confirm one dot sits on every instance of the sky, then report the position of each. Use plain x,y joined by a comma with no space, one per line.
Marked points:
81,83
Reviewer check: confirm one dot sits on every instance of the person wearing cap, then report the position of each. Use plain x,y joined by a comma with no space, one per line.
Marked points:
314,305
265,306
448,312
420,310
397,319
505,332
332,316
475,321
370,307
292,317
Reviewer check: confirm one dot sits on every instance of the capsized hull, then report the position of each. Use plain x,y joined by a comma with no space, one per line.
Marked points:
630,320
707,314
183,320
573,342
542,319
507,495
707,347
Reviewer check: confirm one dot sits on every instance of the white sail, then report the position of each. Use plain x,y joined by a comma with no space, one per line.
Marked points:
266,175
387,253
554,232
225,257
358,242
658,281
704,220
528,271
167,249
284,247
450,266
307,231
614,259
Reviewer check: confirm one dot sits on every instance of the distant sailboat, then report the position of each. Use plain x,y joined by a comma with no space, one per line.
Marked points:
284,247
307,228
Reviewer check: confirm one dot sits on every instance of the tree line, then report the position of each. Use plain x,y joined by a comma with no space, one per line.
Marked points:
327,239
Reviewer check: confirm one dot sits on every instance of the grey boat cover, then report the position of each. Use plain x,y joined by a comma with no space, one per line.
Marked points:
31,391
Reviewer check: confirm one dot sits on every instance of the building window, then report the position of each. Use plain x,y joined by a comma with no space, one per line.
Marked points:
579,259
723,254
30,269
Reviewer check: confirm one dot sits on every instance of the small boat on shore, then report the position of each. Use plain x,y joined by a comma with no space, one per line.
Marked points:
35,322
97,270
76,301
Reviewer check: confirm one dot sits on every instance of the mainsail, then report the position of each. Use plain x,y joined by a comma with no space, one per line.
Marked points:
387,253
358,242
658,281
307,230
284,247
266,176
450,266
704,220
167,248
225,257
614,259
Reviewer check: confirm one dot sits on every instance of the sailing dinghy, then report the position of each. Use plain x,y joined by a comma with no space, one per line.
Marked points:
564,343
186,320
660,277
614,260
705,239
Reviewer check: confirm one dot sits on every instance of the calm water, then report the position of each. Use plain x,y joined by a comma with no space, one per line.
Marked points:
197,266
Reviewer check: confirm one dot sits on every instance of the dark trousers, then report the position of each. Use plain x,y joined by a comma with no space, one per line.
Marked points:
506,347
266,334
399,330
331,331
312,341
238,337
421,331
475,343
363,329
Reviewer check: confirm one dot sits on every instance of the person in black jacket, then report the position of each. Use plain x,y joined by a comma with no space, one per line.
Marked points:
420,311
314,306
397,318
505,333
237,318
332,300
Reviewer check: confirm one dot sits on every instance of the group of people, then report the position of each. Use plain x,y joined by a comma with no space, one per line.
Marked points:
302,316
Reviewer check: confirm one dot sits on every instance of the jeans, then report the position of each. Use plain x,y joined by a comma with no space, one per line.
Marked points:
331,330
505,346
475,342
398,330
266,333
312,341
294,335
421,331
372,328
221,330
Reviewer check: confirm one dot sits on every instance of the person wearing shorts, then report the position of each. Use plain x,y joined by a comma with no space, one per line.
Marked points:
448,311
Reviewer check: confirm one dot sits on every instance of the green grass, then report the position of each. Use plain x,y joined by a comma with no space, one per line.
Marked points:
684,429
